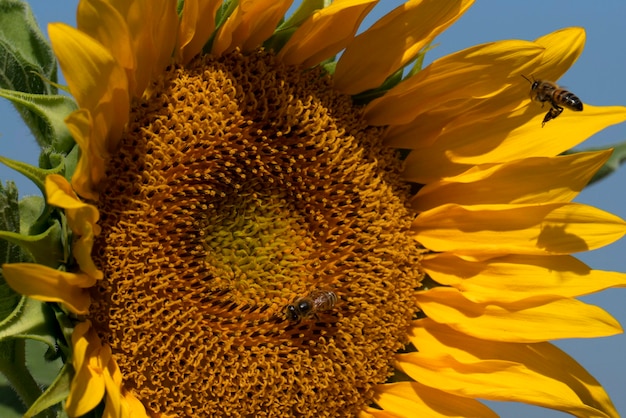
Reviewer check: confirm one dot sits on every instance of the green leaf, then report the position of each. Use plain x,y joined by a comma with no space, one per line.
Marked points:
24,47
13,367
57,392
613,163
9,253
49,112
9,217
21,318
27,62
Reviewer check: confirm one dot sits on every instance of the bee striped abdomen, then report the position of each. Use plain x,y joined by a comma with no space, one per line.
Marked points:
567,99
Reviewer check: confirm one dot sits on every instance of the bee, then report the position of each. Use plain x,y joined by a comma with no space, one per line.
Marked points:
545,91
316,301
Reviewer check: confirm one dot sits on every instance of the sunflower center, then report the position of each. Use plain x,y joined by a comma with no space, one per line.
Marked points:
242,186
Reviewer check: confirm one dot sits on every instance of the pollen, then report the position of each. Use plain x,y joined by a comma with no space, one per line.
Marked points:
241,185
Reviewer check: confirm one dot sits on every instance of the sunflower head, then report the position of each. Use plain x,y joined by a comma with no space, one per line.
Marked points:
255,227
252,184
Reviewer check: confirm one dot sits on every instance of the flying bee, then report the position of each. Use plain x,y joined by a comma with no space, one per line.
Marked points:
316,301
545,91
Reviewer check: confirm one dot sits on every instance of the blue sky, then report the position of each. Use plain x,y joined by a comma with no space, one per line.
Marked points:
597,78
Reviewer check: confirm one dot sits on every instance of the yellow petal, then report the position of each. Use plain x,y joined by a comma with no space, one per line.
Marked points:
50,285
393,41
82,218
252,22
370,412
152,25
538,374
97,82
423,401
134,407
90,169
88,385
563,47
518,136
517,278
553,228
516,322
101,21
530,180
561,50
112,375
60,194
87,65
196,27
478,72
326,32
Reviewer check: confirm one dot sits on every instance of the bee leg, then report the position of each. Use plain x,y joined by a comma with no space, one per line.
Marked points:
552,113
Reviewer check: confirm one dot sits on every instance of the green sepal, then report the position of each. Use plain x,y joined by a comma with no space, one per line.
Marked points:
46,232
28,225
35,174
286,29
617,158
70,161
60,162
27,61
224,11
57,392
66,326
31,319
306,9
418,63
278,40
369,95
394,79
31,208
48,113
45,248
614,162
329,66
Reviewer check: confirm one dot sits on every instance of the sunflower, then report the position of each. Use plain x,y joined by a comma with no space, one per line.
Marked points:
416,222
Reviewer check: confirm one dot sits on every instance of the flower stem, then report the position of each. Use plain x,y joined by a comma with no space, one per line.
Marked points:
13,367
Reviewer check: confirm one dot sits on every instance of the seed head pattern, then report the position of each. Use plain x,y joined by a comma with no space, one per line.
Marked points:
240,184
